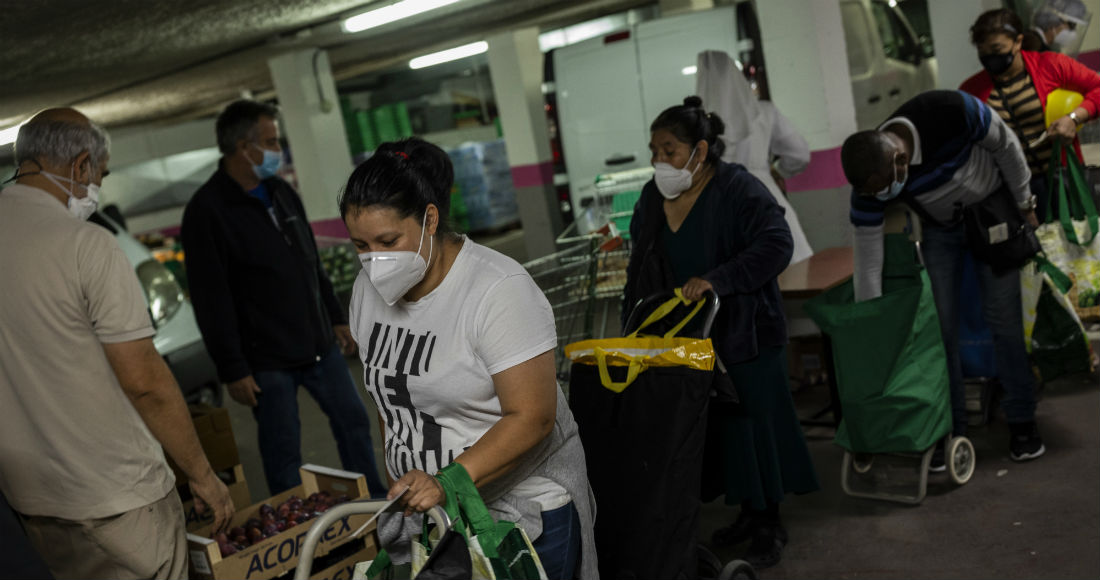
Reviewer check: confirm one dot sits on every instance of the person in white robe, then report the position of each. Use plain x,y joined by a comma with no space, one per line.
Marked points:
756,133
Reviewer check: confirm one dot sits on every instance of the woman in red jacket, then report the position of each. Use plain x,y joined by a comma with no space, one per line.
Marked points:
1015,84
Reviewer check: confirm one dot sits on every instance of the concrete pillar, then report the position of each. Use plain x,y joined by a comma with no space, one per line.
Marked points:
670,7
951,20
515,65
314,128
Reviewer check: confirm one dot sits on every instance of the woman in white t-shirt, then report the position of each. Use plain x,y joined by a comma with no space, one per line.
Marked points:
457,347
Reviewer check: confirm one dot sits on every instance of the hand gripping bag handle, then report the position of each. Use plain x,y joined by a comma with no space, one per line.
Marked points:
464,501
665,309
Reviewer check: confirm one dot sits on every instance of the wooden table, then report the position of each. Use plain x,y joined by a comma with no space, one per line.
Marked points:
806,279
817,273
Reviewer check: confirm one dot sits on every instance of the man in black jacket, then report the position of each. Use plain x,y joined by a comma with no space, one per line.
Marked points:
266,308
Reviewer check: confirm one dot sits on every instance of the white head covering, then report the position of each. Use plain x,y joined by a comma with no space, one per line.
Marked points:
726,93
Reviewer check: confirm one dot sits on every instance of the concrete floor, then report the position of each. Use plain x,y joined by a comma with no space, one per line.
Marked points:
1034,520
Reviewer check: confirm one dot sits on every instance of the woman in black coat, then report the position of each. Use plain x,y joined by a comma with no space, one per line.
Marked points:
704,225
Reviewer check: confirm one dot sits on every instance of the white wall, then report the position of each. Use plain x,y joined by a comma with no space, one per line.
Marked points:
1092,35
951,21
805,50
134,145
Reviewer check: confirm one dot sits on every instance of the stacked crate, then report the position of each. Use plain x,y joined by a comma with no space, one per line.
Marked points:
336,554
216,437
484,177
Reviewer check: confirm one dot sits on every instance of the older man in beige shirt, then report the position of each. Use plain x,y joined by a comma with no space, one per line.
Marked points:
86,402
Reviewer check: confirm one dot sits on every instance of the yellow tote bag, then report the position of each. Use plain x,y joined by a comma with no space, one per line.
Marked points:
639,352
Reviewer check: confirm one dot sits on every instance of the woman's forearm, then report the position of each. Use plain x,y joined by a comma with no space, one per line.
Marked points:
501,447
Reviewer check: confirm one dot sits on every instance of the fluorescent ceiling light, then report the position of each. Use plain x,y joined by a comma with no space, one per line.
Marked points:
449,55
8,135
392,13
689,70
581,32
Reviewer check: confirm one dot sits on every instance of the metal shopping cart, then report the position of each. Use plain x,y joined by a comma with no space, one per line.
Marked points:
335,514
583,283
584,279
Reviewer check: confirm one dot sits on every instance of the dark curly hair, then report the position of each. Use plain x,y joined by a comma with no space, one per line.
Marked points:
690,123
863,154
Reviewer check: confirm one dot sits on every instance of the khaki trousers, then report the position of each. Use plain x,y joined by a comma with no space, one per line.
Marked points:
147,542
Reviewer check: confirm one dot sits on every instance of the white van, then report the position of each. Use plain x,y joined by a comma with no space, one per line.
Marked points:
178,339
888,63
608,90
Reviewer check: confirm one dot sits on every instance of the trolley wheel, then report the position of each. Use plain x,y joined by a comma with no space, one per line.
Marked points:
738,570
961,459
709,564
862,462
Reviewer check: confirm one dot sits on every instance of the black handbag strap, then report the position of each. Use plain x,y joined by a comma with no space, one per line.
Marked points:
910,200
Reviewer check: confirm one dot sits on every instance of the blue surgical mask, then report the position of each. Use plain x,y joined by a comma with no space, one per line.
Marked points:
896,187
270,165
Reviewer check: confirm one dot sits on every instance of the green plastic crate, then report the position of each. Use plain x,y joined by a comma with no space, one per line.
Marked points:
391,122
623,203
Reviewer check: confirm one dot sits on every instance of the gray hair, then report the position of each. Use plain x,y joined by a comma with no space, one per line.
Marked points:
1046,19
60,142
1054,12
240,121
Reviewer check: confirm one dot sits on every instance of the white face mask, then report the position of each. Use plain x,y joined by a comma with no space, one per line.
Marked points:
394,273
80,207
1064,38
671,182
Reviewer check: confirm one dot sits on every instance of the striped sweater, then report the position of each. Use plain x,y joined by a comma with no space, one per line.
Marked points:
1022,110
962,152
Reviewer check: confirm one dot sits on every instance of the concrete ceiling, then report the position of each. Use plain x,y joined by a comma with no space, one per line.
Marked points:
127,62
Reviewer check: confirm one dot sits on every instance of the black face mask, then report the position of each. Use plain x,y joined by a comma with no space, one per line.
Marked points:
997,64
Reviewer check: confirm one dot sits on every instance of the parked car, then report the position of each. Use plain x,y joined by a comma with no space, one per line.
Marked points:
178,339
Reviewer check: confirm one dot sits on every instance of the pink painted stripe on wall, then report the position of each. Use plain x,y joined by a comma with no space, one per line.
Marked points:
1090,59
534,174
332,228
823,172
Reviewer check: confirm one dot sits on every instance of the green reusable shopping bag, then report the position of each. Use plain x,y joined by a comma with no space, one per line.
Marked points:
497,550
1055,336
1070,187
891,367
1069,237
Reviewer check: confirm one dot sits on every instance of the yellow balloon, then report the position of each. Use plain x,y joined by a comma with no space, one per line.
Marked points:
1061,102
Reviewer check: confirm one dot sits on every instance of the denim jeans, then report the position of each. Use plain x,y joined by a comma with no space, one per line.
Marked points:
559,546
329,382
943,250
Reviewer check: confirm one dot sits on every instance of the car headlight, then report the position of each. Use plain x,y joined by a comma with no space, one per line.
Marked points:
161,289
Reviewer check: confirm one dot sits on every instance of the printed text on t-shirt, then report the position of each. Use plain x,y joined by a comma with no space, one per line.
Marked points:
393,355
